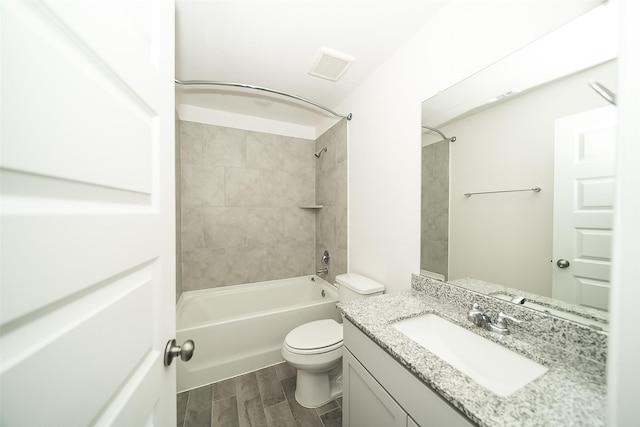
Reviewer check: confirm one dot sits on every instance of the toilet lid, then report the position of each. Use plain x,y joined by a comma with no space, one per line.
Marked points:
315,335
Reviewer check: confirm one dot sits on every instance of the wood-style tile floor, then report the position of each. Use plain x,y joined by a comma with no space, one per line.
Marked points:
260,398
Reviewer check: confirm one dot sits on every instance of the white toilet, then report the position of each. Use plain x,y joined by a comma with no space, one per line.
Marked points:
315,348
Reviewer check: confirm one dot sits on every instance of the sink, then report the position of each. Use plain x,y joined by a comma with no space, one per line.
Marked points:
489,364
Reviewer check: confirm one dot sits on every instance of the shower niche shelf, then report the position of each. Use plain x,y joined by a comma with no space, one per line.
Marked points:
311,207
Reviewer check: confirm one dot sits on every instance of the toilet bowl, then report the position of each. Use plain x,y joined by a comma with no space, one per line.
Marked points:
315,348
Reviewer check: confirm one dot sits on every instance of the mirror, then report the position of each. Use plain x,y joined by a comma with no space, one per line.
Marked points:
506,120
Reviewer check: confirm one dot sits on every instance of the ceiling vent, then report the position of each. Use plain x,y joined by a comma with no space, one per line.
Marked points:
330,65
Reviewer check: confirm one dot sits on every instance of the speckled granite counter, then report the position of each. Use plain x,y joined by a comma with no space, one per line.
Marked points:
586,315
571,393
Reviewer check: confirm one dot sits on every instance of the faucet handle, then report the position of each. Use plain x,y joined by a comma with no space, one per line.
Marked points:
500,326
476,316
502,318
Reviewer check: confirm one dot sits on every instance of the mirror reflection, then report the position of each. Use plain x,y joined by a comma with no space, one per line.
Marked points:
482,225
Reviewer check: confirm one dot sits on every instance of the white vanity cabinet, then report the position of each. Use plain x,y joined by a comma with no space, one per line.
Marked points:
379,392
365,402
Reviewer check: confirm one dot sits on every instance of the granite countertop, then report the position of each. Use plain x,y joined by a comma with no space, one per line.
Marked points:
572,392
590,315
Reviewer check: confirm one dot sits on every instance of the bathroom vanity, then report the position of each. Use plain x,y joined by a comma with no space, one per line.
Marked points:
391,380
380,391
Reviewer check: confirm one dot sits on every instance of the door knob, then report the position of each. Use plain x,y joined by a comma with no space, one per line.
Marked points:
174,350
563,263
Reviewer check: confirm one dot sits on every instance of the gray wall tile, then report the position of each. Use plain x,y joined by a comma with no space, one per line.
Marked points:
326,227
246,187
341,184
326,187
225,227
299,225
293,259
202,186
298,156
224,146
342,137
331,192
192,228
240,198
204,268
248,264
191,142
265,151
290,189
341,228
264,226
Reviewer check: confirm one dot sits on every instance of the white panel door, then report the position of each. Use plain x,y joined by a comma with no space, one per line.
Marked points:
87,187
583,206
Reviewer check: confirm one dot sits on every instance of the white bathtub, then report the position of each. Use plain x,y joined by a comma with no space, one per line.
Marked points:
239,329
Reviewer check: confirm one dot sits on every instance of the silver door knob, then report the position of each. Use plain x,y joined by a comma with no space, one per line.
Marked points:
174,350
563,263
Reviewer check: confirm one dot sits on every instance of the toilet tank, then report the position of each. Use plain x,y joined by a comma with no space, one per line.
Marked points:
355,286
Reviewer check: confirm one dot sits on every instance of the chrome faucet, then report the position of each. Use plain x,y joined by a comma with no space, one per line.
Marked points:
518,300
500,326
478,317
325,260
482,320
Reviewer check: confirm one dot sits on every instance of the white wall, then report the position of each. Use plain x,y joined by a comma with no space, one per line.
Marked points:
384,135
192,113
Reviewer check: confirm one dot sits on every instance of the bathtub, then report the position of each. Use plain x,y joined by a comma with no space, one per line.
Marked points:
241,328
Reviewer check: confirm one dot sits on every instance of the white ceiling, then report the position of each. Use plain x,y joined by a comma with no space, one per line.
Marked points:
274,43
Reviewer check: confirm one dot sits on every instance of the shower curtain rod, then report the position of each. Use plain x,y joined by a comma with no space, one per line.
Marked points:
264,89
452,139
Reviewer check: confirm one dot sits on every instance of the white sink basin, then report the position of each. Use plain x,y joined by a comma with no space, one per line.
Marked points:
489,364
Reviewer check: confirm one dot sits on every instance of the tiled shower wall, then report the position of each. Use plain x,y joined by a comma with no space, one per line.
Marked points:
434,251
331,193
241,193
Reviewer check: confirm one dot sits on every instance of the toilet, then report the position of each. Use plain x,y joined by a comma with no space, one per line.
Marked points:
315,348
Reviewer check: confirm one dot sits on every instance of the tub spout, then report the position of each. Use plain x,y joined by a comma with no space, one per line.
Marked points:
323,271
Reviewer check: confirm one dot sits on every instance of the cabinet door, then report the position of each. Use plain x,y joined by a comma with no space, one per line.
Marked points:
365,402
427,408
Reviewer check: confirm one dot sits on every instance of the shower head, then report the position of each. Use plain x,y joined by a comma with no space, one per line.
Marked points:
320,152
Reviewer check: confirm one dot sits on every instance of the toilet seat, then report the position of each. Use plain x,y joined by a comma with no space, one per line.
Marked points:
320,336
